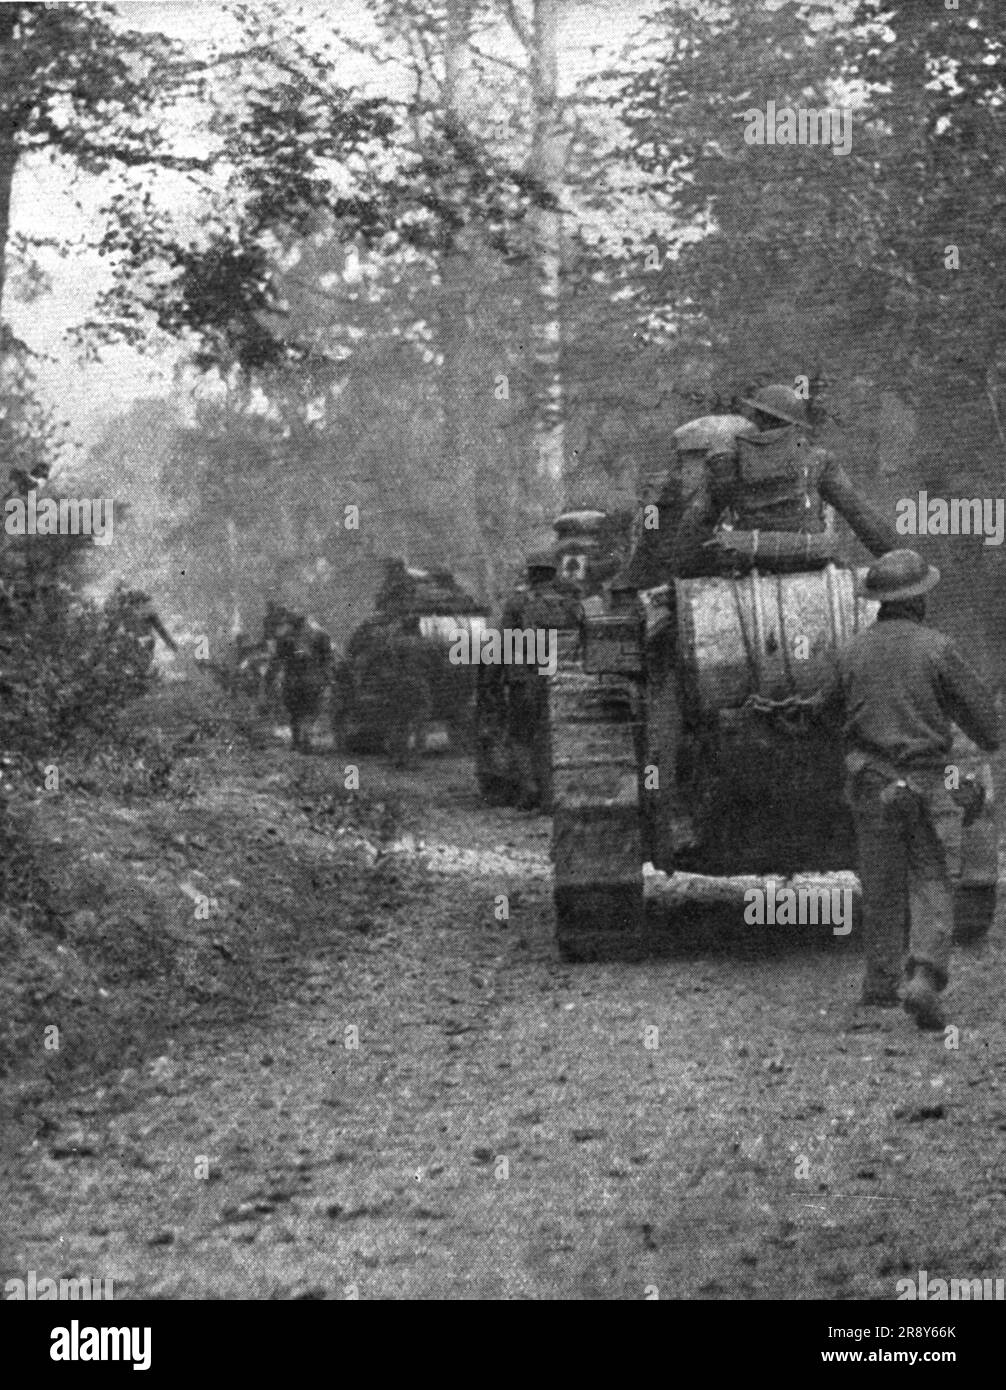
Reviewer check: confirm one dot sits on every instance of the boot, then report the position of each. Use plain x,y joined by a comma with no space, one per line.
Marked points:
922,1000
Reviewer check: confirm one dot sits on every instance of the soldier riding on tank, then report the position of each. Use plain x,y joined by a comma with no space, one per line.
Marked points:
663,495
766,496
759,496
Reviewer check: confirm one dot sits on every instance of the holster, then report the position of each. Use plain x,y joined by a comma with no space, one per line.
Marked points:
900,802
902,797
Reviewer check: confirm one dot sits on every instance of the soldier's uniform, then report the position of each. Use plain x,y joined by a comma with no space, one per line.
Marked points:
544,605
304,655
902,684
766,499
144,622
277,621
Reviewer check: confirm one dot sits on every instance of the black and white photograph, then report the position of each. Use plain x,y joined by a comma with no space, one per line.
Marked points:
502,640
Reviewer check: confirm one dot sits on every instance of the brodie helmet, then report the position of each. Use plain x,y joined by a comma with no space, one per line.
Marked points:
541,562
898,575
782,402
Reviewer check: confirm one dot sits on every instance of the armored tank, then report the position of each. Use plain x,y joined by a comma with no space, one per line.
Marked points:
397,689
686,737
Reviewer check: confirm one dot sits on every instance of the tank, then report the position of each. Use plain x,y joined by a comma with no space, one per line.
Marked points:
396,689
689,759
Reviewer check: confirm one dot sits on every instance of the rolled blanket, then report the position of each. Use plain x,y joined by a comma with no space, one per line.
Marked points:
776,550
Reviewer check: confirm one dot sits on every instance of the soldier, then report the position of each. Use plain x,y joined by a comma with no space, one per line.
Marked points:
901,684
762,498
304,657
662,495
149,624
276,621
545,604
141,621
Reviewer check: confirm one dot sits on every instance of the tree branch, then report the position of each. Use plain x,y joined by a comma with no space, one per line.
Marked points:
518,24
494,58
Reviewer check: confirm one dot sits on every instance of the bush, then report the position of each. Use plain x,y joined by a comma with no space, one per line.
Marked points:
66,665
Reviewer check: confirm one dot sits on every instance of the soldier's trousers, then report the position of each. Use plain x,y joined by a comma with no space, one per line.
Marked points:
906,867
529,735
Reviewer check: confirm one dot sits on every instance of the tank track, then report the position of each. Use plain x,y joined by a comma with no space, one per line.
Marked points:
597,849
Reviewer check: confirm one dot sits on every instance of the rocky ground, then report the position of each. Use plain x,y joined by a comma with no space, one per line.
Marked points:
349,1077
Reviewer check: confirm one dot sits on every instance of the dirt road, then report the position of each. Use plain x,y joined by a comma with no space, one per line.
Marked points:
429,1104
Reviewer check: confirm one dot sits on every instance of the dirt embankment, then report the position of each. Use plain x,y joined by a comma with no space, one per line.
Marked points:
164,886
359,1079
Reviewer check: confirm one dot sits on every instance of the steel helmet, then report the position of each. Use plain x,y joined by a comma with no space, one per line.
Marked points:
898,574
782,402
541,560
583,521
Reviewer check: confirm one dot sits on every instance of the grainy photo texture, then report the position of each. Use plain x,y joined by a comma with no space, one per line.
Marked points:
500,644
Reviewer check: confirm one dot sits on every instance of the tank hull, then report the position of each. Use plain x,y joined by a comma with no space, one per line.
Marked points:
437,693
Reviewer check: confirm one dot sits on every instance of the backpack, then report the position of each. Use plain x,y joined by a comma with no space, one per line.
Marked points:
777,473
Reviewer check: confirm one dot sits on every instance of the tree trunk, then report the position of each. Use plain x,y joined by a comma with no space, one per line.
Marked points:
459,481
234,565
547,170
9,15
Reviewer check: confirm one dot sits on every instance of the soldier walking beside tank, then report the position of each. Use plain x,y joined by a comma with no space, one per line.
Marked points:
275,623
902,685
772,480
544,606
304,658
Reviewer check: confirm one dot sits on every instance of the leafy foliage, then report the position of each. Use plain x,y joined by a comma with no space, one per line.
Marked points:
65,665
72,80
77,85
833,263
65,662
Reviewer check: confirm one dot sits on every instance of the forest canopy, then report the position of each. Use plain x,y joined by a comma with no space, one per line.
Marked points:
453,265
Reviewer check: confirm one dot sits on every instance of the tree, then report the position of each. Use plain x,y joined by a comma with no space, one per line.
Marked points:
411,183
546,174
75,84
